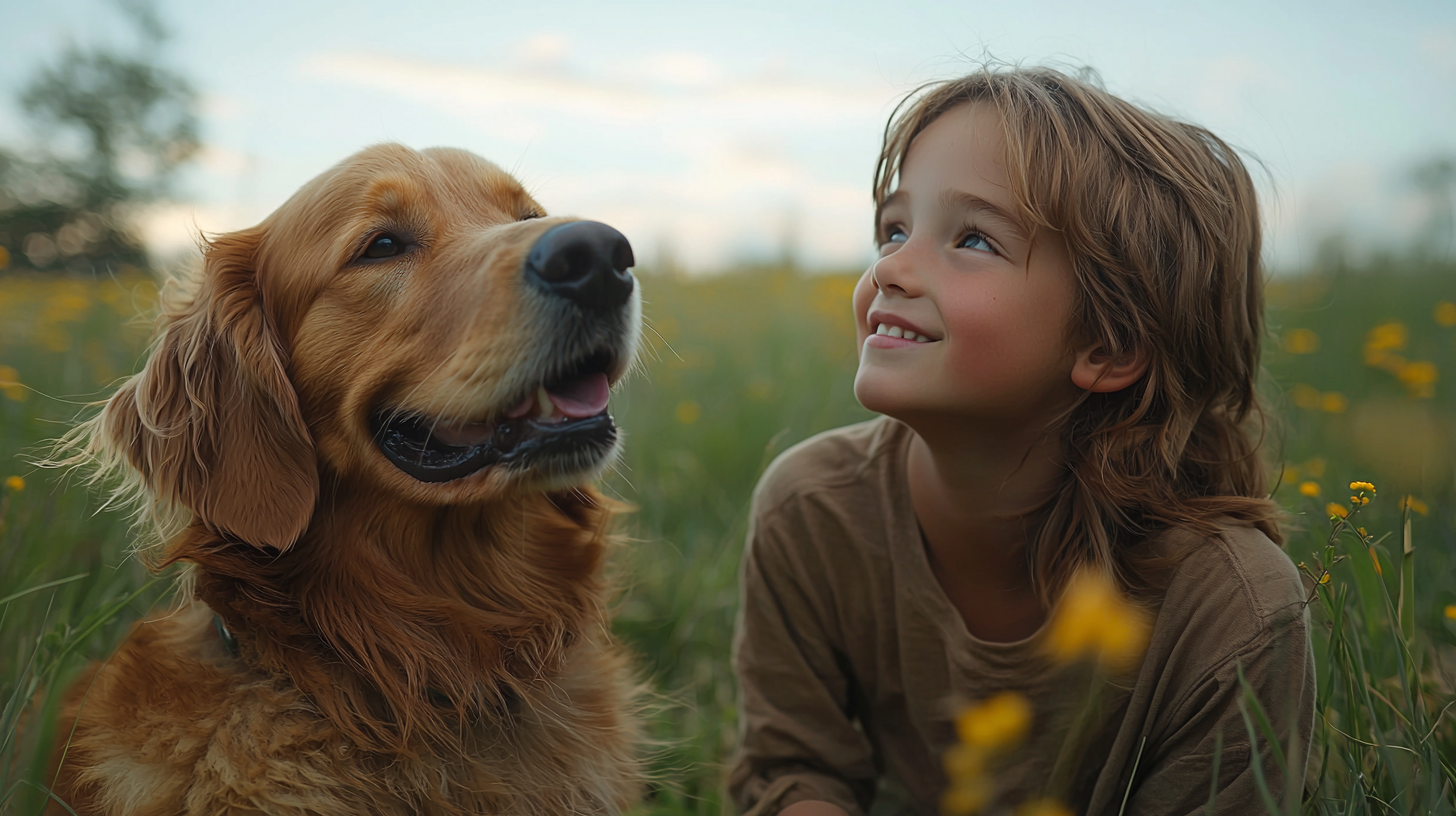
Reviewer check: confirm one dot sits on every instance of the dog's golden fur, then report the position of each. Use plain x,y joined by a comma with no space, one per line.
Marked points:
400,646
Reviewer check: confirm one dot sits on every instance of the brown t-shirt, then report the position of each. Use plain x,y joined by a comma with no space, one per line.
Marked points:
851,659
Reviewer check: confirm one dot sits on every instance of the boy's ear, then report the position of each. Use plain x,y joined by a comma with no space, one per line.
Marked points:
1097,370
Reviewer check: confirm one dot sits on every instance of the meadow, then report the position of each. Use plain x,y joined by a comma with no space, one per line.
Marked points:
738,367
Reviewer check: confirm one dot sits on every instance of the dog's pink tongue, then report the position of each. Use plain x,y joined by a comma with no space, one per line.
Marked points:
582,397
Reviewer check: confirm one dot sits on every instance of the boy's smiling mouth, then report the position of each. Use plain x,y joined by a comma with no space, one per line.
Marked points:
885,329
893,331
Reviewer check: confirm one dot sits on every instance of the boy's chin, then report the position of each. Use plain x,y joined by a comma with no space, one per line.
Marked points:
882,398
920,409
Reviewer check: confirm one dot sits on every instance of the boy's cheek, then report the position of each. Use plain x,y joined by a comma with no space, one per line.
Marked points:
864,294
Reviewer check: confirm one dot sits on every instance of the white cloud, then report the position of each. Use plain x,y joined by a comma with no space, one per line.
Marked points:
1438,46
717,166
1235,86
616,100
681,69
218,106
223,161
547,50
172,229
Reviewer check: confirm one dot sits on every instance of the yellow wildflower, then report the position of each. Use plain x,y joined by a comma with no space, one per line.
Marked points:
963,762
1415,504
1094,620
10,383
1419,378
1301,341
688,412
1043,807
1310,489
1336,510
1360,500
996,722
1305,397
1334,402
1362,486
966,797
15,483
4,257
1288,474
1445,313
1384,338
1451,611
1315,467
1325,579
1375,558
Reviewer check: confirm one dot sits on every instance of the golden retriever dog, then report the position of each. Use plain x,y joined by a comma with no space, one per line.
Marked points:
369,428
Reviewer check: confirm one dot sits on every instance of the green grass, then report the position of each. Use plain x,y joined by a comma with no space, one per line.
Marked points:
736,369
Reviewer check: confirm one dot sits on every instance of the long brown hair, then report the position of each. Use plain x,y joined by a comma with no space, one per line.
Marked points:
1162,223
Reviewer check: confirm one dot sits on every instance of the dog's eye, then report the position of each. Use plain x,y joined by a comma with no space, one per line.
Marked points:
384,246
529,214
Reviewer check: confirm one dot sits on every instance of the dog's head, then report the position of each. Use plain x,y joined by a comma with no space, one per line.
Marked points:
410,322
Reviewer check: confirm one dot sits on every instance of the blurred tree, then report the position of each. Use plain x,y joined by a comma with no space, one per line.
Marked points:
1435,179
115,127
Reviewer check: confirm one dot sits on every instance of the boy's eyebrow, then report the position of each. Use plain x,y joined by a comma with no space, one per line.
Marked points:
960,200
956,199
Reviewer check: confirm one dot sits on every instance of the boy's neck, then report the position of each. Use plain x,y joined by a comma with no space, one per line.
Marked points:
970,492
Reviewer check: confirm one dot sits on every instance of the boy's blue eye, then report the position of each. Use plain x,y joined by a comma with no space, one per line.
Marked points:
895,235
975,240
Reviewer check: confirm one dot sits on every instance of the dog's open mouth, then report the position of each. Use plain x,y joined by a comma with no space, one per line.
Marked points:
562,425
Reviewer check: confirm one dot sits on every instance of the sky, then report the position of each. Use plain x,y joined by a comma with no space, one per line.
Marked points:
715,134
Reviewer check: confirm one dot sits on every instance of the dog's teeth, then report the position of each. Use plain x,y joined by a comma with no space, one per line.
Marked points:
544,400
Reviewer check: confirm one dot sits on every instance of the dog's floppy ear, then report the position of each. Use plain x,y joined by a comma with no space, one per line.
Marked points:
212,422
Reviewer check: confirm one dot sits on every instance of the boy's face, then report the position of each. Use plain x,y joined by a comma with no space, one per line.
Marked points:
988,300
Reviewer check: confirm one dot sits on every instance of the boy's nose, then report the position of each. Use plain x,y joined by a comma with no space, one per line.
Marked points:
892,274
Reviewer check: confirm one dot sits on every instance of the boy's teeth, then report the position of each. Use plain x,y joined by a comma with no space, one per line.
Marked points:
896,331
544,400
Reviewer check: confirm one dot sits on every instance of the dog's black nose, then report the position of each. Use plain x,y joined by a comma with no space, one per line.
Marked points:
586,262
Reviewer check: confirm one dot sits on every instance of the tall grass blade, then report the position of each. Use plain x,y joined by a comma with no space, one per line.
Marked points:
1138,758
1256,759
38,587
1265,726
1211,808
1407,603
1376,731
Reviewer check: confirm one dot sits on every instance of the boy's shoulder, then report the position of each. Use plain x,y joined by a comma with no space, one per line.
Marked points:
832,459
1236,581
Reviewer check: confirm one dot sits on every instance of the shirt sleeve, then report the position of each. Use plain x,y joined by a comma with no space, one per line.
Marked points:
1279,669
798,739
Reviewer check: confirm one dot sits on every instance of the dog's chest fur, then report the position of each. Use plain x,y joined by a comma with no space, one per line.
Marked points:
192,729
